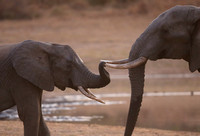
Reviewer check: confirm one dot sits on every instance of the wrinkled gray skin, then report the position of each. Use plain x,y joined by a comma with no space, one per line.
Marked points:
175,34
29,67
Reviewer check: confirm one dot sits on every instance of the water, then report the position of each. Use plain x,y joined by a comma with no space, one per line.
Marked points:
54,108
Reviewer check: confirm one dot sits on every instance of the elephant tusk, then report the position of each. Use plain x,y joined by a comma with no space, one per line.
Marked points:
132,64
122,61
89,94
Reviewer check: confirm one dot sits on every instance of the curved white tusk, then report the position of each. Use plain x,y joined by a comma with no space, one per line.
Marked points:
89,94
122,61
132,64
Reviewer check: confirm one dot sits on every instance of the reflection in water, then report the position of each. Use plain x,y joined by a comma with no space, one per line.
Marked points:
52,108
9,114
71,118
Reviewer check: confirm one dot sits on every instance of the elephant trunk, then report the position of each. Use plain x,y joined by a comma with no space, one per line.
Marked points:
136,65
85,79
136,76
94,81
98,81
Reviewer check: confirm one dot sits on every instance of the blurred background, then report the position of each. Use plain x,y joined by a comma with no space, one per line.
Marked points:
106,29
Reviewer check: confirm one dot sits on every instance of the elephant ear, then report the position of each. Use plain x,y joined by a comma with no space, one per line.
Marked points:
30,60
194,63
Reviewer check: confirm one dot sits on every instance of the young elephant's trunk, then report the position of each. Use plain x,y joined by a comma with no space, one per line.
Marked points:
94,81
98,81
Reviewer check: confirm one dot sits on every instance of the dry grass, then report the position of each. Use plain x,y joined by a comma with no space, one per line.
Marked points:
22,9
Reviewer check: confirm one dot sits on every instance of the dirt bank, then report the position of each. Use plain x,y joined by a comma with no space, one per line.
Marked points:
15,128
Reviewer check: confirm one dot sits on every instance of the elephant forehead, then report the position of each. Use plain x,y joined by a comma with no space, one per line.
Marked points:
174,15
30,51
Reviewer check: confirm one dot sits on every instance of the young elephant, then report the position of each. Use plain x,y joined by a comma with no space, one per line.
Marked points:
175,34
29,67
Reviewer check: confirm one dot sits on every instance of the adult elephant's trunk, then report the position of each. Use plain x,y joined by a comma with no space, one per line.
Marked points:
136,65
136,76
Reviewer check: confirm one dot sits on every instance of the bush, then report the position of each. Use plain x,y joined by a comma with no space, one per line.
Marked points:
16,9
97,2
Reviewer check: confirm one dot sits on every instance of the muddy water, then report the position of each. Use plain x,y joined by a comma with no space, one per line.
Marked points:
52,108
61,108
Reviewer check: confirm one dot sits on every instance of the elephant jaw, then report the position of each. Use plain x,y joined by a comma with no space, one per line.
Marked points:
89,94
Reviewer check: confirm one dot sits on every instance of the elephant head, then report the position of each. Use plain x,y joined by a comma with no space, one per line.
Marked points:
175,34
48,65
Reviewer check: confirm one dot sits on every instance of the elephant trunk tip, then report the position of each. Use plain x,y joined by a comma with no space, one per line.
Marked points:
105,76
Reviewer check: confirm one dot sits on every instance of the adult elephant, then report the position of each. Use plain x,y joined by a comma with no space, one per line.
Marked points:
29,67
175,34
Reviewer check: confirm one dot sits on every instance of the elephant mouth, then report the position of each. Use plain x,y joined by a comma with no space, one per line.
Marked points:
89,94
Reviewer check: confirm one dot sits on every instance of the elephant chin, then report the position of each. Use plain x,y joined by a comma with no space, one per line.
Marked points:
61,87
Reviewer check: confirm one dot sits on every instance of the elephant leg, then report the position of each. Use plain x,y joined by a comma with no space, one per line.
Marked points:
28,103
30,118
6,100
29,112
43,129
